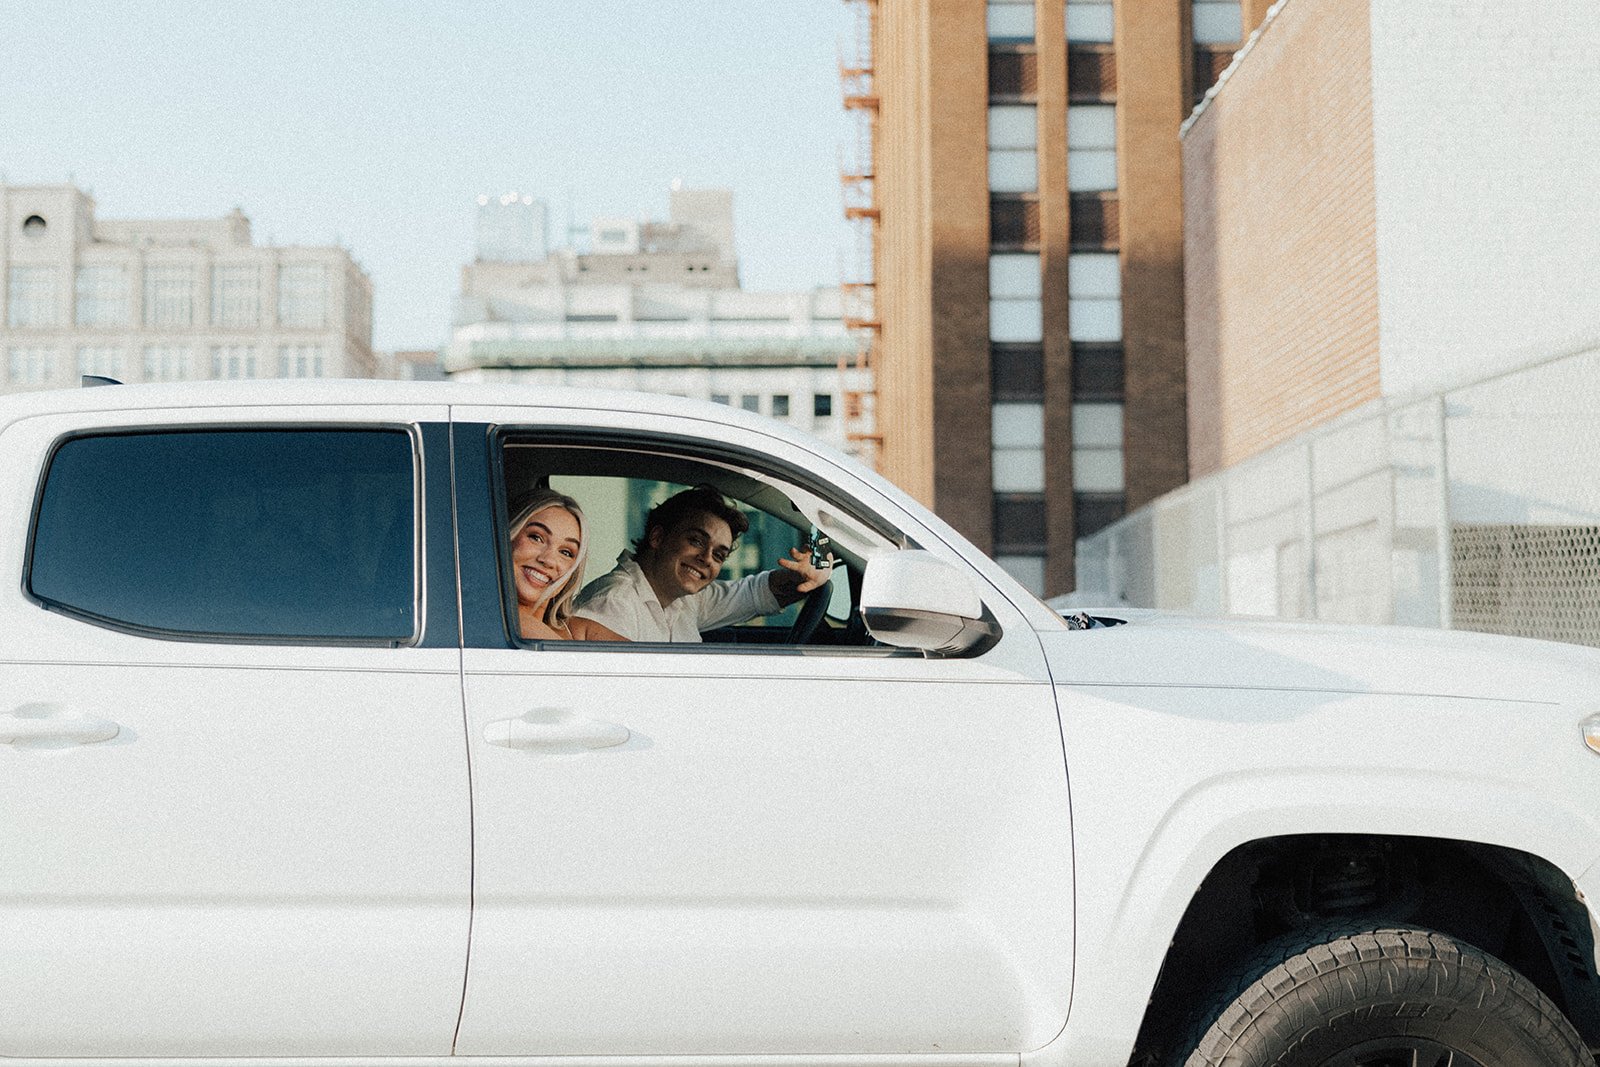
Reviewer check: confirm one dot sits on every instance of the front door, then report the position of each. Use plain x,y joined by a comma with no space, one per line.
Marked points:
835,852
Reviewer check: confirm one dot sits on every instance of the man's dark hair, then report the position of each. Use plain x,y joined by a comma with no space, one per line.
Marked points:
701,500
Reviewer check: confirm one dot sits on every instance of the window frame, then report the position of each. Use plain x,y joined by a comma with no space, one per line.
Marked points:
419,546
680,447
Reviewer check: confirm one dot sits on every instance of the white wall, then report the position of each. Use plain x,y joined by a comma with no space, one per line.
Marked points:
1486,117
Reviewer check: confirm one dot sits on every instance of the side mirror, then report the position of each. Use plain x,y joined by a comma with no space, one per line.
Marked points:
913,599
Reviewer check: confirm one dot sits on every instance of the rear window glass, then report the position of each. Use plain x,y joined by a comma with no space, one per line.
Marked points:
247,533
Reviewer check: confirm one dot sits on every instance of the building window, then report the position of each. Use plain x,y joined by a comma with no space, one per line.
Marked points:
236,296
1019,524
1028,570
822,405
780,405
1097,371
1017,432
102,360
233,361
1093,512
1013,148
167,363
102,296
720,398
750,402
1089,21
1094,296
1217,22
1097,448
1091,148
32,299
31,364
168,296
1010,20
1016,372
1016,307
303,295
300,361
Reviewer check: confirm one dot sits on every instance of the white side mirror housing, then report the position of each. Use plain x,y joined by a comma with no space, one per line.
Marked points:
913,599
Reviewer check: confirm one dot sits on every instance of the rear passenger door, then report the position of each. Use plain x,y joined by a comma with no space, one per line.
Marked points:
234,811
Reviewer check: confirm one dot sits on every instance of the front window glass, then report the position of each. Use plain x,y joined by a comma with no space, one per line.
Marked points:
285,534
703,576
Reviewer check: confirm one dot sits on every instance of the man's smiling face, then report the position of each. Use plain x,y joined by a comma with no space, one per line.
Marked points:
687,558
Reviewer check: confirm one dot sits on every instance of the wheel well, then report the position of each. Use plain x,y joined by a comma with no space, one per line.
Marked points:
1508,903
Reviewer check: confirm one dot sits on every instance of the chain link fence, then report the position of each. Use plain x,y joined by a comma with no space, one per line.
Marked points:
1477,508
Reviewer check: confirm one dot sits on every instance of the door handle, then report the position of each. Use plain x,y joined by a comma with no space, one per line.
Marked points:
48,722
554,730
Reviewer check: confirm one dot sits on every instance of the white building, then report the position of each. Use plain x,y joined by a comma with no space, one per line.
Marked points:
168,299
657,307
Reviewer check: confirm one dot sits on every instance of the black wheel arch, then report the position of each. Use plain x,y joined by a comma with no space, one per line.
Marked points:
1511,904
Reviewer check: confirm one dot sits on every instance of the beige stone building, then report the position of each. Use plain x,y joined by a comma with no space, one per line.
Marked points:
168,299
1028,257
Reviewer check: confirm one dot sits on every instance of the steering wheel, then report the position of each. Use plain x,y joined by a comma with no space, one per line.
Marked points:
812,608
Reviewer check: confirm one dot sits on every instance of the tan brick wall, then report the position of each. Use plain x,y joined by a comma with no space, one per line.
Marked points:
903,265
1280,238
1153,63
933,257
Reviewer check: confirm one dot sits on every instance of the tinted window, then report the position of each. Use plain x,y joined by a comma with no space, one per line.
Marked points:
266,534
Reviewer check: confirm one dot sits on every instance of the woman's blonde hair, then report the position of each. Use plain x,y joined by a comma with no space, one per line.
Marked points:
558,605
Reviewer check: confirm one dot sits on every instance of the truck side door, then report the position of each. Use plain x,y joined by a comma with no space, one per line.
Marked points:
851,852
234,813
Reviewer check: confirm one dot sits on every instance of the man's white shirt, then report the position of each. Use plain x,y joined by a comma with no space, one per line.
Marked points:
623,599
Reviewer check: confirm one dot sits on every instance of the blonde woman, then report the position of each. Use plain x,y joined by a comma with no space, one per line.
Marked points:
548,546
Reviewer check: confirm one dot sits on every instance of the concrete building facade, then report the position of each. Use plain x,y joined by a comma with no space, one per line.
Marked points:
168,299
1029,258
657,306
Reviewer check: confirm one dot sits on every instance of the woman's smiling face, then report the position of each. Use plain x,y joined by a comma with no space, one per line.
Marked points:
543,551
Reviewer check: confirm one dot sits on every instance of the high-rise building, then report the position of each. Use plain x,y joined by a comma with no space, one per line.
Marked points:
512,228
168,299
1028,257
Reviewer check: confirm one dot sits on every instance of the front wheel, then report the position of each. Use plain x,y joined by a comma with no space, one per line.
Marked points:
1383,998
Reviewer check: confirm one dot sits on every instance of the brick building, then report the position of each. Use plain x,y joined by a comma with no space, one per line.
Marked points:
1387,198
1392,215
1028,258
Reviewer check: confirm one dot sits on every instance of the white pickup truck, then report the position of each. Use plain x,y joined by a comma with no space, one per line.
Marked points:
281,783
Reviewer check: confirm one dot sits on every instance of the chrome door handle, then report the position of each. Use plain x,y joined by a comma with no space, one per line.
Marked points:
48,722
554,730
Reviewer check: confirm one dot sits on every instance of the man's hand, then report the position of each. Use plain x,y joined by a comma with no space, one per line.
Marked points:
799,576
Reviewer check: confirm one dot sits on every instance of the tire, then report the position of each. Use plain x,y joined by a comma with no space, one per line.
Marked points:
1384,997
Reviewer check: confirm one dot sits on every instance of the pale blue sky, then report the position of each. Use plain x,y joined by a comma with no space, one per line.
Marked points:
378,123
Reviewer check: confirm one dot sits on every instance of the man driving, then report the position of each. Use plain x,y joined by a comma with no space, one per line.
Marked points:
666,589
